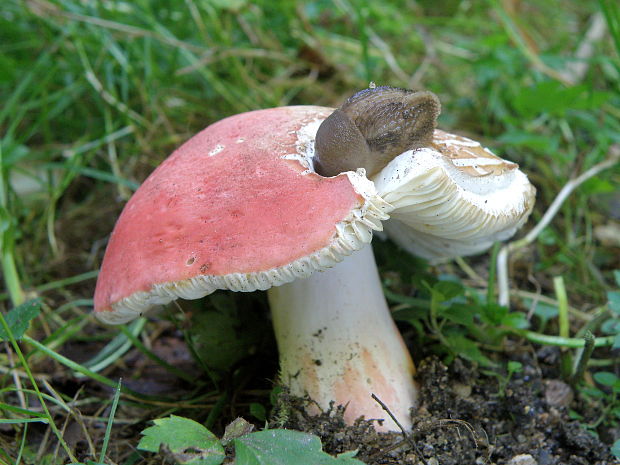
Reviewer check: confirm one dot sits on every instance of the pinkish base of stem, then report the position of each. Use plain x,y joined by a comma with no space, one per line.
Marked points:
338,342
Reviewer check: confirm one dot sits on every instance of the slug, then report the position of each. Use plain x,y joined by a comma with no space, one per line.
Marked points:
374,126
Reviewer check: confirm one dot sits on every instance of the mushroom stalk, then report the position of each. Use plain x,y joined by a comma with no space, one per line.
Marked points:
338,342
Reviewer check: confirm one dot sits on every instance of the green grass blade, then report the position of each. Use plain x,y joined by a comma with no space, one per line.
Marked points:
86,372
108,429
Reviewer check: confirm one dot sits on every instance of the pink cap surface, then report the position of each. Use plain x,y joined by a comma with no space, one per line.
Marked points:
225,202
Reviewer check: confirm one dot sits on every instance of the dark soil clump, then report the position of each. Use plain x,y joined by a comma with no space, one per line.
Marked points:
465,417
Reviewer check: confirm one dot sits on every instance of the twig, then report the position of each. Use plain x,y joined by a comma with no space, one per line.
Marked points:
410,441
72,411
502,257
467,426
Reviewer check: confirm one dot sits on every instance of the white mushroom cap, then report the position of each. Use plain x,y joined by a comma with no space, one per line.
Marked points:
454,198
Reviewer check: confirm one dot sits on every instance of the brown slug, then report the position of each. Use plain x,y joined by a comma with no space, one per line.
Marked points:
374,126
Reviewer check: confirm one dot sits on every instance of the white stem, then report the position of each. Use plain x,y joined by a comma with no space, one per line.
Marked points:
338,342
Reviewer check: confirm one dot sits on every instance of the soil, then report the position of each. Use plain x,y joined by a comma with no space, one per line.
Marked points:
465,419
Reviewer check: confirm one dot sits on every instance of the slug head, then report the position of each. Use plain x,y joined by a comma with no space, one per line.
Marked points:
374,126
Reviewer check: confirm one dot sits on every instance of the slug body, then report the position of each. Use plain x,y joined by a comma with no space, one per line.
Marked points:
374,126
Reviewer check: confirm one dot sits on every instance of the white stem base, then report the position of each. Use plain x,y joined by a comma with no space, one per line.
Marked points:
338,342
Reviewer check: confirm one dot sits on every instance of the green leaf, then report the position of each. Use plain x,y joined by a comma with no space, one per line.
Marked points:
448,289
188,441
516,320
258,411
605,378
514,367
285,447
460,314
409,314
468,349
574,415
615,449
597,186
493,313
19,317
516,138
414,302
616,341
545,311
617,276
614,301
548,237
553,98
611,326
592,392
225,333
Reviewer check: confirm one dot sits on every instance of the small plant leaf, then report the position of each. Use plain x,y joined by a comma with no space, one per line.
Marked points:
493,313
188,441
605,378
611,326
515,320
556,99
19,318
410,314
514,367
593,392
460,314
545,143
468,349
615,449
224,333
258,411
614,301
285,447
448,289
545,311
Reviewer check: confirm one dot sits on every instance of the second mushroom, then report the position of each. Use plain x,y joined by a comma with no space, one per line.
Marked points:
286,200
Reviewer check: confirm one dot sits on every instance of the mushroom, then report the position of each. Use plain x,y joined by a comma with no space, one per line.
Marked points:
240,207
453,198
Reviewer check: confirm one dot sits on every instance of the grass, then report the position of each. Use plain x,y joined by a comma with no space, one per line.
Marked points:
94,94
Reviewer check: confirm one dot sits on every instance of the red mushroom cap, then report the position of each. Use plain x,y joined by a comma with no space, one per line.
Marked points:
235,207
